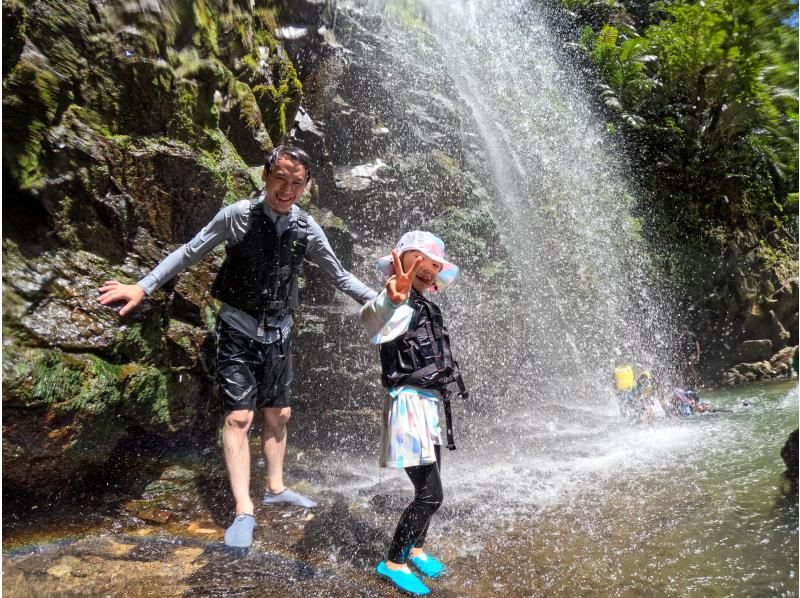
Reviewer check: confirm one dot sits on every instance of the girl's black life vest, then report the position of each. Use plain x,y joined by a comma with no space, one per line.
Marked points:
422,357
259,274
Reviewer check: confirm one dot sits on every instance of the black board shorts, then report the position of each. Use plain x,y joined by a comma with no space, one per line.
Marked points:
251,374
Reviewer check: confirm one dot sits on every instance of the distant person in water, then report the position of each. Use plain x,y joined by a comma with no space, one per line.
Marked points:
645,397
625,389
689,356
266,240
417,367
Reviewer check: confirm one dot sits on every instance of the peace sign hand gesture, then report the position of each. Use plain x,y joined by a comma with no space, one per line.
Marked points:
398,286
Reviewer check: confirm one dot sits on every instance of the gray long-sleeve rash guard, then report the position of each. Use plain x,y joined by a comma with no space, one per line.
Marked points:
230,225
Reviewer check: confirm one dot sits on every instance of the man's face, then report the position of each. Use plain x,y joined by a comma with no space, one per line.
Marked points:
427,272
284,184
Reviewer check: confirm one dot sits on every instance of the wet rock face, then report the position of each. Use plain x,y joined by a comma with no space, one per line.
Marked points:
113,155
397,149
125,129
753,304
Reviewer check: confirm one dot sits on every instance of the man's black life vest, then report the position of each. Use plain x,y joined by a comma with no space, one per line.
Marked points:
259,274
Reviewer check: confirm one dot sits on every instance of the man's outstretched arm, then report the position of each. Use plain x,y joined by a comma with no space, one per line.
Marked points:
230,224
320,252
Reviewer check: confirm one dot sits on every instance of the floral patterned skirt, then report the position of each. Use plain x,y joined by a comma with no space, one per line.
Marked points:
410,427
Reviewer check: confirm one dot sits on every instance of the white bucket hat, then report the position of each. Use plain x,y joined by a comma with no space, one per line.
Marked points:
429,245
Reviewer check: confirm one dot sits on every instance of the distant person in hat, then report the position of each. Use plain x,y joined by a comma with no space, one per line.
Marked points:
417,368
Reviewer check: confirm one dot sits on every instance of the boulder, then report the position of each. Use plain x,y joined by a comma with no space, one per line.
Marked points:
754,350
779,365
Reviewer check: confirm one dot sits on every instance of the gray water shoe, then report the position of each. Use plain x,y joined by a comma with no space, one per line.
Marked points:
287,497
240,533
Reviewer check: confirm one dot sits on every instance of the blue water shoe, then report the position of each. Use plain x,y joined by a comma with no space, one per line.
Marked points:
428,565
408,582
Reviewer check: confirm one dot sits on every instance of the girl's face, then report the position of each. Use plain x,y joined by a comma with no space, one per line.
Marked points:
427,272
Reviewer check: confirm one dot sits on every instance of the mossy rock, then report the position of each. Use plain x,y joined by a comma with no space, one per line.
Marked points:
66,412
52,300
185,345
13,34
31,97
279,102
61,409
240,121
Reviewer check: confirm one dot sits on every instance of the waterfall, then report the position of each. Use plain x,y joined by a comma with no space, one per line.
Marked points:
562,195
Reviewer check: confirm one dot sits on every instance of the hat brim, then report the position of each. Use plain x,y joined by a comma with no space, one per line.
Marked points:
447,275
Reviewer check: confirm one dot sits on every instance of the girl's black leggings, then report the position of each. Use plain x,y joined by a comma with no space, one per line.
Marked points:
428,496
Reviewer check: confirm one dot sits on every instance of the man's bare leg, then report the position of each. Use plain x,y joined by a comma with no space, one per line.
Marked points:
273,443
237,457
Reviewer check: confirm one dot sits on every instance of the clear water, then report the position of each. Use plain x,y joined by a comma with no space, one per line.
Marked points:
572,502
553,502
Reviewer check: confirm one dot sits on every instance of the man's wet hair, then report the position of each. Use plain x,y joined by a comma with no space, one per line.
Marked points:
295,153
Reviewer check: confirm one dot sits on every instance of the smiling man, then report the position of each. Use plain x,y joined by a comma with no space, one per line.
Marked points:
267,239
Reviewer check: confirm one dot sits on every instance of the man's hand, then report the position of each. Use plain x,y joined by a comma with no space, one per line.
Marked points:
398,286
114,291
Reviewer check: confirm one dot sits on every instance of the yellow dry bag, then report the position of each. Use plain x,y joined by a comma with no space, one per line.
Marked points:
623,375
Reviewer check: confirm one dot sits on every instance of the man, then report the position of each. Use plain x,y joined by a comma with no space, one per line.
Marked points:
689,351
267,239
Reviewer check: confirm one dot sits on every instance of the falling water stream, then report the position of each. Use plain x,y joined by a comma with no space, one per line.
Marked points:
564,202
549,493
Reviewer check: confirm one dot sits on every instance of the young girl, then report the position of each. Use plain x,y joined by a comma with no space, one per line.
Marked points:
417,366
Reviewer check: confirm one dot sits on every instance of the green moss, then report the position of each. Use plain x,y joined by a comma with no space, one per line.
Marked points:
227,167
205,21
448,163
80,385
31,95
273,110
266,21
280,102
139,342
53,380
99,387
182,125
408,12
466,233
210,317
146,395
89,117
251,114
13,33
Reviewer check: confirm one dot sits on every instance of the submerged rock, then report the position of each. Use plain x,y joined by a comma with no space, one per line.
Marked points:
789,454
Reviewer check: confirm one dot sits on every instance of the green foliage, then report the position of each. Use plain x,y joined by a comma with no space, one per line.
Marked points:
707,95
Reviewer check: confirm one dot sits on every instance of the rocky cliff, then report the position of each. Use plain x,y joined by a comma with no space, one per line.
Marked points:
126,127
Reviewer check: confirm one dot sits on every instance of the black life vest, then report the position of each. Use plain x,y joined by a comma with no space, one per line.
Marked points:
259,274
421,356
